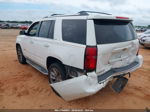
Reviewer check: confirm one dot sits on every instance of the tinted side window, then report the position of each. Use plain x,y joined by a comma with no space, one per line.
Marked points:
33,30
74,31
51,32
44,29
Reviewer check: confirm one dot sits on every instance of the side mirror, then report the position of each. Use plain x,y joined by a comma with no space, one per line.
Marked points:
22,32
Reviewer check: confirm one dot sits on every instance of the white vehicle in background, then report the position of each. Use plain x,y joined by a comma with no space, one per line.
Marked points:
81,53
144,39
146,33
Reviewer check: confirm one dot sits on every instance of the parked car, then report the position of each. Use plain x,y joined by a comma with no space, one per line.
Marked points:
0,25
81,53
14,25
144,38
146,33
5,26
24,27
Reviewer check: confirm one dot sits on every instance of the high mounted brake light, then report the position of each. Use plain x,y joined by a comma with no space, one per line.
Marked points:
119,17
90,58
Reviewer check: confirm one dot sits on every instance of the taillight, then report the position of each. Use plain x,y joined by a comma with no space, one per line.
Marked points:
90,58
118,17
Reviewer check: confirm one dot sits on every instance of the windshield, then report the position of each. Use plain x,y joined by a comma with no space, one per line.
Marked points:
113,31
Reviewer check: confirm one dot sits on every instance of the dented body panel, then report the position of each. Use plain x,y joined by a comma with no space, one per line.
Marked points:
86,85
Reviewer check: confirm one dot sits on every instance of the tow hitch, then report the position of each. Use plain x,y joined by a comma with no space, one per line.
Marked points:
119,84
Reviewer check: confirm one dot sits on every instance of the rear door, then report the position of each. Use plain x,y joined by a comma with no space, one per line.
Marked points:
43,41
116,42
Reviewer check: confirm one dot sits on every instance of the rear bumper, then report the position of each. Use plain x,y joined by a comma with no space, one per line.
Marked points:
91,83
122,70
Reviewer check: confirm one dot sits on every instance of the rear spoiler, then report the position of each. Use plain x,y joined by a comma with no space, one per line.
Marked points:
109,17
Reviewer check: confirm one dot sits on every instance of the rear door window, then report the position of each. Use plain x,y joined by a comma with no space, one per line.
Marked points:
113,31
51,32
74,31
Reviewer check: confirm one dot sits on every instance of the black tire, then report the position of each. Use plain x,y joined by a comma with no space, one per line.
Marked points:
56,73
20,55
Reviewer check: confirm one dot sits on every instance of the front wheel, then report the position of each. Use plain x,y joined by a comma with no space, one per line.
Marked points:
56,73
20,55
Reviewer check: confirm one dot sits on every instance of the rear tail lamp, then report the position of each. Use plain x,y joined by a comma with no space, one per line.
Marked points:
90,58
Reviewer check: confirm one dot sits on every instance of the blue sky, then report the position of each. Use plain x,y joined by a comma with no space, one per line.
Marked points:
21,6
34,9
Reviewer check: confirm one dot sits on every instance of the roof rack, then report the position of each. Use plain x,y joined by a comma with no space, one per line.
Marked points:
87,12
57,14
63,15
81,13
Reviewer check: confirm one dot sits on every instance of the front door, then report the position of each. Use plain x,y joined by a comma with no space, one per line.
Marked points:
29,41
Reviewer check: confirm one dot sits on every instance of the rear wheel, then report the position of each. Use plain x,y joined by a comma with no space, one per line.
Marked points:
56,73
20,55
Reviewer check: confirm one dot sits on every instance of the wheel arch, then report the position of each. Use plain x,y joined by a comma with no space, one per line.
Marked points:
17,44
51,60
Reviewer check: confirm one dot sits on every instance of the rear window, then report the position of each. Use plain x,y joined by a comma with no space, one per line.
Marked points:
113,31
74,31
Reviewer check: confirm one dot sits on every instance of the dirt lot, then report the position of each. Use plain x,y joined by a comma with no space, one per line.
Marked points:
23,87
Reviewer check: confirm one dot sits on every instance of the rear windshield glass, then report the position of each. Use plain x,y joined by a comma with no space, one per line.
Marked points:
113,31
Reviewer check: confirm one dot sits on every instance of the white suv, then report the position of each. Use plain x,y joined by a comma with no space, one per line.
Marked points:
144,39
81,53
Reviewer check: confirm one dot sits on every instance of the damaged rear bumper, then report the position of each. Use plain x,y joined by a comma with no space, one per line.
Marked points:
91,83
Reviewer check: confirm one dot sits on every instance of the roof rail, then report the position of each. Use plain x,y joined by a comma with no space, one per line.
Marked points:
81,13
87,12
56,14
63,15
45,17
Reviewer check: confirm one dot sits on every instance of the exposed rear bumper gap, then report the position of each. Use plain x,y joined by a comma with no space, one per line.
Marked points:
116,70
